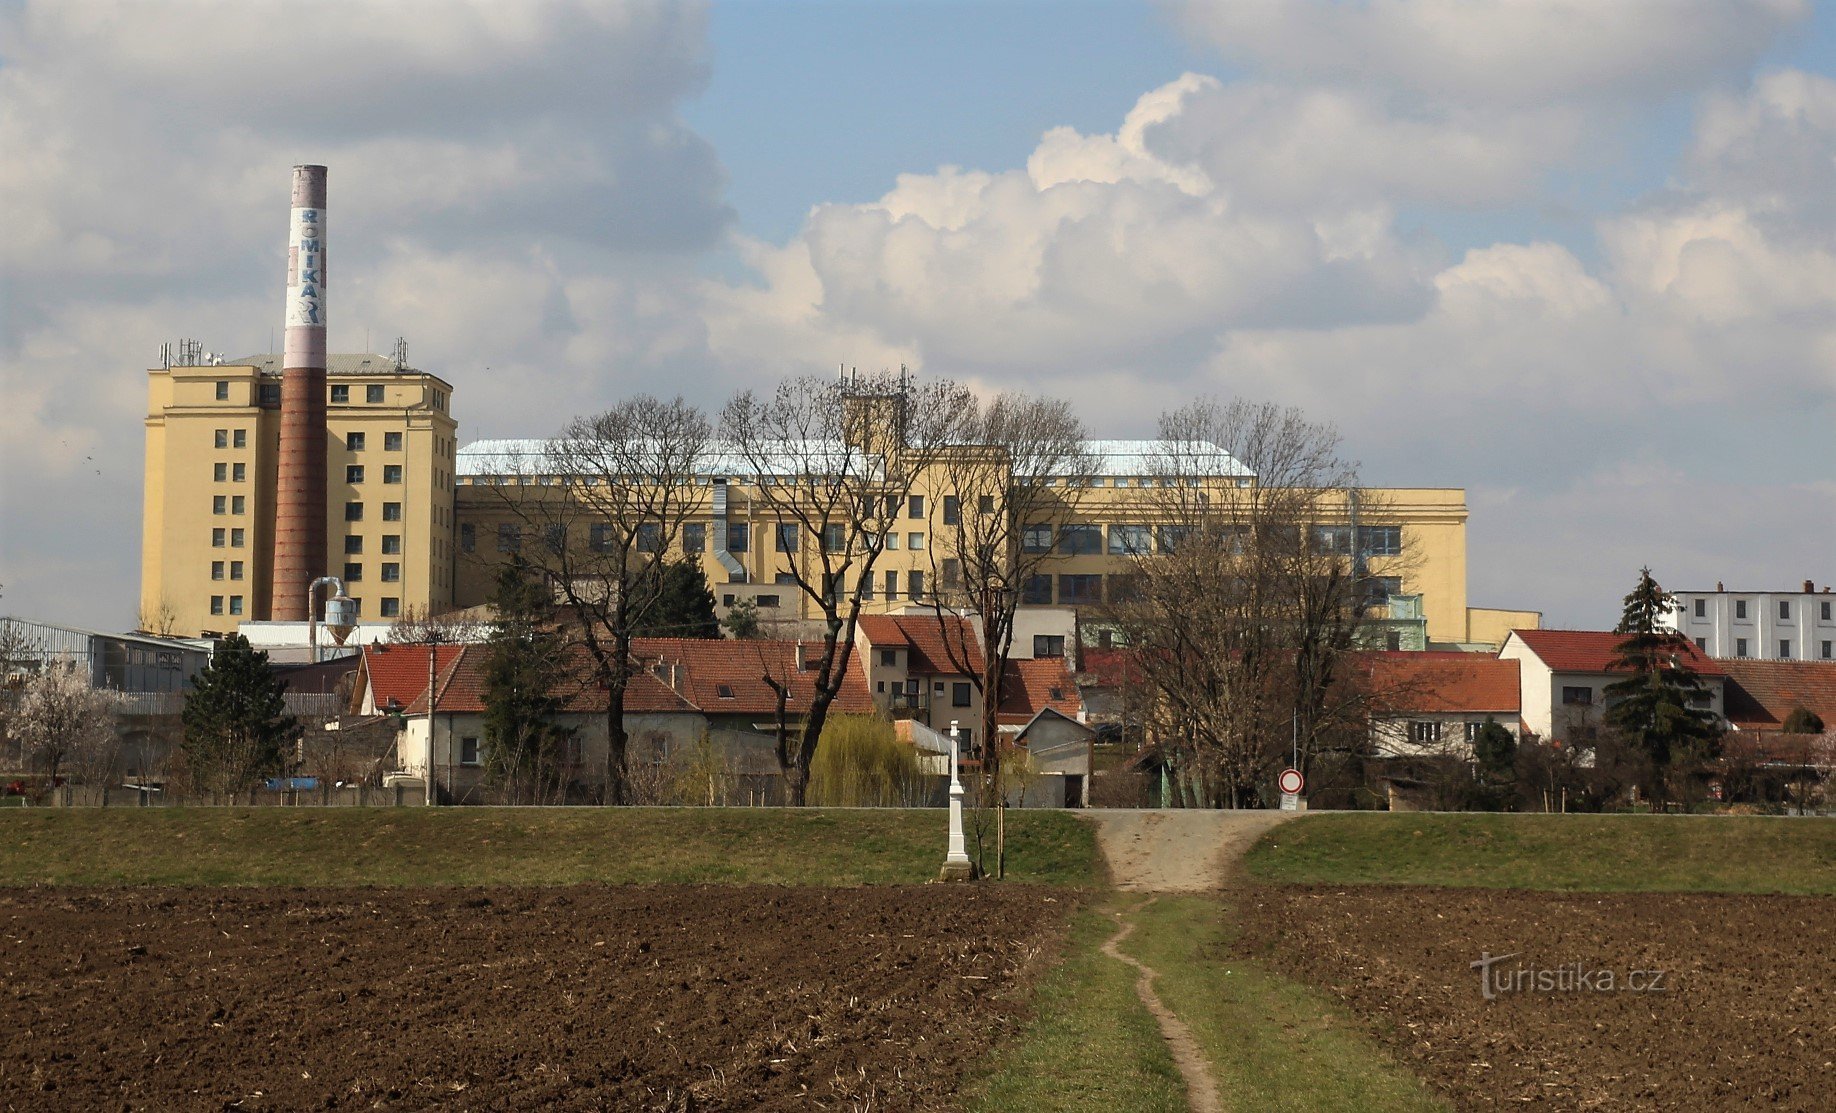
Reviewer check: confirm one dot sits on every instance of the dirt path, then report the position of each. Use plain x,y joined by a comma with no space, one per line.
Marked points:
1178,851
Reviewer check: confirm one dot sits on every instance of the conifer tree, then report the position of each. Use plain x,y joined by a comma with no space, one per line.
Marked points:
525,678
683,607
1660,708
236,721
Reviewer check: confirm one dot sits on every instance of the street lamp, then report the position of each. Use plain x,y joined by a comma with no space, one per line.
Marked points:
957,866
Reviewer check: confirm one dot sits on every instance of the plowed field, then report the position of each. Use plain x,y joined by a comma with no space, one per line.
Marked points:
582,997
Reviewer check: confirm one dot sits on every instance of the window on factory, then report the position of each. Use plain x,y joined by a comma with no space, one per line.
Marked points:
238,503
468,537
555,538
952,510
353,511
219,472
1740,608
391,572
785,579
391,544
1740,647
952,572
235,604
340,394
236,538
892,585
242,438
1784,649
787,537
1080,540
1036,589
914,506
392,473
1380,540
914,582
1332,539
353,544
768,602
373,393
353,473
235,570
239,472
1784,610
890,542
914,541
866,586
959,694
1578,696
353,442
222,390
1702,608
222,438
985,504
1825,650
1125,587
392,442
1075,590
599,537
1130,541
509,537
216,539
216,604
694,537
216,570
650,537
391,511
219,504
1036,539
739,536
391,607
269,394
834,537
353,573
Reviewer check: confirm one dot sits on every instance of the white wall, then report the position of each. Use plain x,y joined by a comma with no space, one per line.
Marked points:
1719,631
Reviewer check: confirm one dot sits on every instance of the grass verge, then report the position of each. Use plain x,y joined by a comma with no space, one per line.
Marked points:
1605,853
523,846
1091,1045
1273,1044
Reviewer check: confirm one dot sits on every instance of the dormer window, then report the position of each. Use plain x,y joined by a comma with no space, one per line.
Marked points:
724,691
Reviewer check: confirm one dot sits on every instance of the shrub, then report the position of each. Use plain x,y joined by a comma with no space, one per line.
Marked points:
860,763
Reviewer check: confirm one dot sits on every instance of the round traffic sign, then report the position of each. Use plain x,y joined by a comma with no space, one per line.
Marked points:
1292,782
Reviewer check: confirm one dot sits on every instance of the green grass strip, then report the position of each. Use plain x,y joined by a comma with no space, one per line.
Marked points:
1091,1046
1593,853
521,846
1272,1043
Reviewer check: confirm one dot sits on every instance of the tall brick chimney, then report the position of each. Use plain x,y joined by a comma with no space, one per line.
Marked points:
299,505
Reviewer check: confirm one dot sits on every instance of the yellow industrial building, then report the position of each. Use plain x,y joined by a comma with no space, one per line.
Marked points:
417,522
213,441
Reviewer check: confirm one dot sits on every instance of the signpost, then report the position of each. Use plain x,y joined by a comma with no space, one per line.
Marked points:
1291,784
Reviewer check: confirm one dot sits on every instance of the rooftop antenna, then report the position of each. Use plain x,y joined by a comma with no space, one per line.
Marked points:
401,353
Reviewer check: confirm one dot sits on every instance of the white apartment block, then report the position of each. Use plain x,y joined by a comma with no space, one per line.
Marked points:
1770,625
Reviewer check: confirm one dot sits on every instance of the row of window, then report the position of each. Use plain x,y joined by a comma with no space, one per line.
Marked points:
391,572
341,393
354,442
1084,539
219,537
1824,648
233,569
228,504
1740,609
391,511
229,473
391,544
353,473
231,438
1427,732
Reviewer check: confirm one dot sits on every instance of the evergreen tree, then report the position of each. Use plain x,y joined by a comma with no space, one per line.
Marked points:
742,620
683,606
1660,708
1496,750
525,673
235,719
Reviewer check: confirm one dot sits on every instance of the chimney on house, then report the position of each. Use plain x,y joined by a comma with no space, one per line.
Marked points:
799,657
1719,587
299,503
1809,586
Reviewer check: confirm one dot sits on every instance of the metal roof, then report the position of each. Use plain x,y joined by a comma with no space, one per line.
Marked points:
349,363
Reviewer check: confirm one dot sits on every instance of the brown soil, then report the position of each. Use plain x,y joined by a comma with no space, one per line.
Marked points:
581,997
1746,1015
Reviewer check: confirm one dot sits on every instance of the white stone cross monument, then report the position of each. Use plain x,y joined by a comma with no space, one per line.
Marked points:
957,866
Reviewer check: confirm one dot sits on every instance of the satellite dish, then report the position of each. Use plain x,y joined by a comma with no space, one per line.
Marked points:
340,617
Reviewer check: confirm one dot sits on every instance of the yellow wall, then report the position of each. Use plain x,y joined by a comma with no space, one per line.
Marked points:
1489,626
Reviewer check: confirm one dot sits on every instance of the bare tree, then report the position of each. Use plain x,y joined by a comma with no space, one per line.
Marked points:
833,463
1249,595
595,511
158,619
63,721
1010,495
420,626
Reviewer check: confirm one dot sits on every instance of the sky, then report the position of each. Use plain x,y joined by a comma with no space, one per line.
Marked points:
1576,258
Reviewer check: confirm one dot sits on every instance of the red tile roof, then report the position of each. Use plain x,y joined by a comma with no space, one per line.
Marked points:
1763,693
401,672
398,673
1594,651
939,647
1027,687
706,666
1442,683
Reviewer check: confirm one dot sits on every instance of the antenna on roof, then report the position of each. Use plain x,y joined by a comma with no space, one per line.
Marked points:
401,353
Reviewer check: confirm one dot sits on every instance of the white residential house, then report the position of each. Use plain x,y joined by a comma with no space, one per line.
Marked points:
1563,676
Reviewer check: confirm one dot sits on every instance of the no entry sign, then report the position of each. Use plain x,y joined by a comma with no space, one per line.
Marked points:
1291,781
